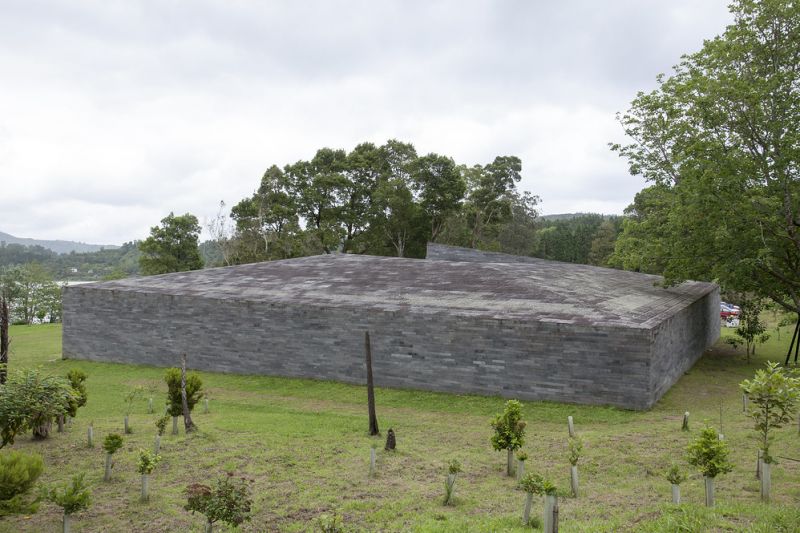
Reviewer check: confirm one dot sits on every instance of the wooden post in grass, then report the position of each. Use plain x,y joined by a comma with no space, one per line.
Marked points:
109,464
205,405
4,343
744,402
60,423
127,427
145,495
676,494
157,445
373,418
571,426
90,436
573,479
685,426
150,405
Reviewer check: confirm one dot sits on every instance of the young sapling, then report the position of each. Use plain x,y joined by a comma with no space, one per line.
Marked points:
71,497
229,501
453,469
521,458
130,399
710,456
111,444
161,426
147,463
675,476
509,432
531,484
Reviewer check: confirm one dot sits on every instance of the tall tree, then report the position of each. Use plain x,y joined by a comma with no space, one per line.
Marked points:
722,137
491,195
440,188
172,246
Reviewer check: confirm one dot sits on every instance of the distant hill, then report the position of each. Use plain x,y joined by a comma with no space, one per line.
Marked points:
59,247
570,216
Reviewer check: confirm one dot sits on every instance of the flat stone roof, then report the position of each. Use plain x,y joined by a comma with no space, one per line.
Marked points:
541,290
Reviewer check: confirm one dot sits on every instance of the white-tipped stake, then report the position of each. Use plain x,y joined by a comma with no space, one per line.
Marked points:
685,425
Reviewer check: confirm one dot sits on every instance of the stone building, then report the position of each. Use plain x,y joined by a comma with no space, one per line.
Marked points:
460,321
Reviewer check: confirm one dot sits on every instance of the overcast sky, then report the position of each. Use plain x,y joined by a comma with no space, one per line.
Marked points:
114,113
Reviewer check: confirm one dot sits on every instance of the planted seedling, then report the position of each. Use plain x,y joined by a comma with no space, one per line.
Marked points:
509,432
453,469
71,497
675,476
710,456
147,463
111,444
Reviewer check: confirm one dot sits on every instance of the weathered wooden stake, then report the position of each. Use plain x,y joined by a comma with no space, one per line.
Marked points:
205,406
157,445
90,437
150,405
766,481
373,418
721,436
145,495
573,480
709,491
685,426
744,403
676,494
571,426
127,428
520,469
372,462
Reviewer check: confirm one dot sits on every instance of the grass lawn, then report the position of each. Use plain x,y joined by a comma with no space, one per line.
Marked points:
305,444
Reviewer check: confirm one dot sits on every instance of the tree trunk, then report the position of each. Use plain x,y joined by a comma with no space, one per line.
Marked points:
573,480
65,527
510,462
42,431
109,463
174,425
187,416
60,422
209,527
526,514
3,340
676,494
766,481
145,495
709,491
758,465
373,418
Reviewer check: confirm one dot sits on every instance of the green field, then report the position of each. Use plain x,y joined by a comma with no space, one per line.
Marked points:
305,444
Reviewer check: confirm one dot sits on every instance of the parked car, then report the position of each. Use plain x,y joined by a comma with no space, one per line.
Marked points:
728,310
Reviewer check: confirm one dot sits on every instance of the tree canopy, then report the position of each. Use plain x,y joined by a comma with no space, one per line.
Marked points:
719,142
172,246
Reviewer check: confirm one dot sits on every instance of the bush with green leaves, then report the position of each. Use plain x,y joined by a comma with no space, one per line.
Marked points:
575,448
31,401
147,462
194,391
161,424
18,475
230,500
774,395
536,484
331,523
522,456
509,431
72,497
709,454
112,443
675,475
76,379
453,469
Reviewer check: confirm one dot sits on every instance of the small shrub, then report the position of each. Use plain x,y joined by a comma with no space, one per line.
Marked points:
331,523
76,379
72,497
454,467
575,446
147,462
161,424
18,474
509,430
522,456
675,475
194,391
533,483
112,443
709,454
229,501
29,400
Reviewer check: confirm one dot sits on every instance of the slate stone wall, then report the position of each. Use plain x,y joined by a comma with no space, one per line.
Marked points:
431,351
